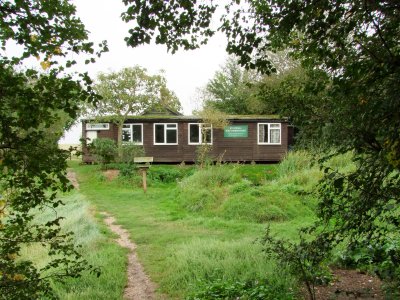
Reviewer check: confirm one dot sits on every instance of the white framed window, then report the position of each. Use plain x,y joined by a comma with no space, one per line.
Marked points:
200,133
97,126
269,133
132,133
165,134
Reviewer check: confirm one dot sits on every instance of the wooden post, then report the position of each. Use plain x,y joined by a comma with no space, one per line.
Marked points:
144,178
144,164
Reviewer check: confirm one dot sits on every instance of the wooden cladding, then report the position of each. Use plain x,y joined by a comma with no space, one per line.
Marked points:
240,148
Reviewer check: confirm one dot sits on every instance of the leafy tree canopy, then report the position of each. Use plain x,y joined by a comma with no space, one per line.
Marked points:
128,92
355,43
34,105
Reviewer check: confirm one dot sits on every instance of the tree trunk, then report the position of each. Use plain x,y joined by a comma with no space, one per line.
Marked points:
119,139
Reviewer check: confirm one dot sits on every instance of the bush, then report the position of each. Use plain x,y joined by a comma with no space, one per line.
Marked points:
166,174
384,260
250,290
127,170
104,149
129,151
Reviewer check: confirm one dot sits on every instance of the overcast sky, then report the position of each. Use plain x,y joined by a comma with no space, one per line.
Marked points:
186,71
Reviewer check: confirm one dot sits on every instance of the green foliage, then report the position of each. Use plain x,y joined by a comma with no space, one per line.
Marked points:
179,249
256,289
127,170
352,49
228,192
231,90
167,174
129,151
130,91
383,259
35,107
94,243
240,263
304,259
105,150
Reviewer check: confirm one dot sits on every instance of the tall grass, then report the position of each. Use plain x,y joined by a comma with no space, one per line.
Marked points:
200,228
200,262
97,248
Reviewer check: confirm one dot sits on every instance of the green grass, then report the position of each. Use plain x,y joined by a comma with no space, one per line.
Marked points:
193,228
181,246
98,248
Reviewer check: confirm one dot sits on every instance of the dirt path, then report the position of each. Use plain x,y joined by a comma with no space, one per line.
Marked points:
72,178
139,286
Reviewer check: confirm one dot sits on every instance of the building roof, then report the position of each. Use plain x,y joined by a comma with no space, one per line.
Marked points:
183,118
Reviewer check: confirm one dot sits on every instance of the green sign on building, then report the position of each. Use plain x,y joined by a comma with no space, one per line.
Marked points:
236,131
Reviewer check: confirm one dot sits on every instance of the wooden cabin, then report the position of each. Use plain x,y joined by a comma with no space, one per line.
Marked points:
174,138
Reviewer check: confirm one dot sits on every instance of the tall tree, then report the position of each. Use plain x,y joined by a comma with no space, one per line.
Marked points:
356,44
128,92
32,168
236,90
231,90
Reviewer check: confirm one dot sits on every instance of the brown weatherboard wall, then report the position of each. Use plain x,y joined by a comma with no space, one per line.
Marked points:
230,149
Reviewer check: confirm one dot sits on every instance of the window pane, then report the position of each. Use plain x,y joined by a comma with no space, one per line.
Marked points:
274,125
275,136
171,125
126,134
159,132
137,133
263,133
171,136
194,133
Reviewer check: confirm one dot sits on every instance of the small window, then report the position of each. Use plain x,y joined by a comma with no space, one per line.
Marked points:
269,133
165,134
200,133
132,133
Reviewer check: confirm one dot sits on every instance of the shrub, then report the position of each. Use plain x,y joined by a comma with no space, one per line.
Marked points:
250,290
384,260
165,175
129,151
127,170
104,149
169,174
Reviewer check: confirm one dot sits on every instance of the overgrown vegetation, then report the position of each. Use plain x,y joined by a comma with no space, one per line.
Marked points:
198,230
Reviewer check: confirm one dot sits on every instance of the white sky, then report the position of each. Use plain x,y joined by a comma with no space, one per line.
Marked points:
185,70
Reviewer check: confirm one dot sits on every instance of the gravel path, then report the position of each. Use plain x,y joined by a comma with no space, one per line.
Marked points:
72,178
139,286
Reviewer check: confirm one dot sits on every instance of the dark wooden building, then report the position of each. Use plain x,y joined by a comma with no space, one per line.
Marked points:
174,138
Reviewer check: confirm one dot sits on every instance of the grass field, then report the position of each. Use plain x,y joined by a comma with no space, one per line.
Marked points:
97,247
195,227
